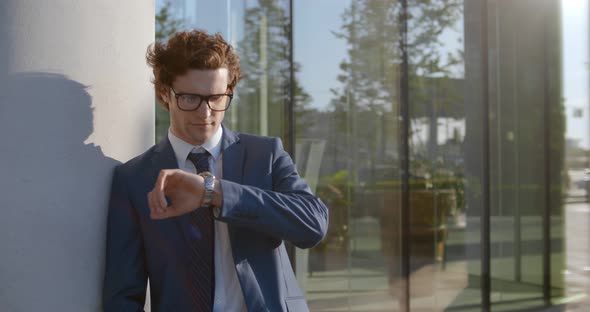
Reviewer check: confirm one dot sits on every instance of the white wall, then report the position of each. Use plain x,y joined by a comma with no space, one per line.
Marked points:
75,98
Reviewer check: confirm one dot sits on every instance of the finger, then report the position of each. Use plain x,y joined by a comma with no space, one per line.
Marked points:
157,212
150,202
158,216
163,214
159,189
153,203
154,207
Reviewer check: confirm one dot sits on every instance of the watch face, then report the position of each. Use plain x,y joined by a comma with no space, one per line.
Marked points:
209,180
209,183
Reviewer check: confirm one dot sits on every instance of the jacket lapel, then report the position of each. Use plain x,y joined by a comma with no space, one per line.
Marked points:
233,156
164,156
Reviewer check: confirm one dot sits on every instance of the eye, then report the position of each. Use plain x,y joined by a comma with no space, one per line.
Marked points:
189,98
215,98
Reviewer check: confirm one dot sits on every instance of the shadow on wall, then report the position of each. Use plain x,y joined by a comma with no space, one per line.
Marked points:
54,195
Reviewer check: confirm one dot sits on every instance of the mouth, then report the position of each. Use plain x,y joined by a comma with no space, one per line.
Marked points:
201,124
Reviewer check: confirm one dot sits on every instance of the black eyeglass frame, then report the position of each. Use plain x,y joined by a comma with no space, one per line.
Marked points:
203,98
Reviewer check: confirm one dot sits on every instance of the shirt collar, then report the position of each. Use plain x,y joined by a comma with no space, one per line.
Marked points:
182,148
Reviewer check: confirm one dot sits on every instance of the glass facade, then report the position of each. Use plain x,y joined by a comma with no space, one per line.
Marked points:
448,138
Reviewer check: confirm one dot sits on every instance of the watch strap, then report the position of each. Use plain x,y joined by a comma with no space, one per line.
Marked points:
209,187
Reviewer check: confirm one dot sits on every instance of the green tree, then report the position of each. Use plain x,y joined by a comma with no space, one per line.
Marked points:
368,99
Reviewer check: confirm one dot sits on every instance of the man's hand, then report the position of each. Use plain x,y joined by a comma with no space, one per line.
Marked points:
184,189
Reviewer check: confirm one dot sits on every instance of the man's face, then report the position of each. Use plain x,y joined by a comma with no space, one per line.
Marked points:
197,126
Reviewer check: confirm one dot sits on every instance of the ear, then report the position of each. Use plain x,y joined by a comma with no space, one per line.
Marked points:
164,93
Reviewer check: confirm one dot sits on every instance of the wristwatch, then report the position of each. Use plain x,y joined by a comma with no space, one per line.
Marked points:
209,186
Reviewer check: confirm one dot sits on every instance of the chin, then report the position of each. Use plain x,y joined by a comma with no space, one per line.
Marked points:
200,139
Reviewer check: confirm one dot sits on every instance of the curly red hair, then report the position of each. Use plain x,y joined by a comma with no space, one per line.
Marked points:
190,50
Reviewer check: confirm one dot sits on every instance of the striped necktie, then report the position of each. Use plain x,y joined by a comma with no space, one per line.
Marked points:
201,264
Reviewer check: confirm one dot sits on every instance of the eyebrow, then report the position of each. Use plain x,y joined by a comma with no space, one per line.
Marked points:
192,93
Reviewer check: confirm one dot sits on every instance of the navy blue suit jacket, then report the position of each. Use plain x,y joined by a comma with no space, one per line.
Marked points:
265,202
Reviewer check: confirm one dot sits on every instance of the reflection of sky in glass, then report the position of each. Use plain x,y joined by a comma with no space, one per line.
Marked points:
575,68
321,53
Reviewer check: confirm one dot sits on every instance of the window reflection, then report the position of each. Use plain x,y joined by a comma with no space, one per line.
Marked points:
347,101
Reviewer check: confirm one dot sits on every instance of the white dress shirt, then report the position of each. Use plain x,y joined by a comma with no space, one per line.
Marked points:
228,293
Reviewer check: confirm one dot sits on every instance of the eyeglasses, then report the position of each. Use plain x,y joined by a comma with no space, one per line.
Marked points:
192,101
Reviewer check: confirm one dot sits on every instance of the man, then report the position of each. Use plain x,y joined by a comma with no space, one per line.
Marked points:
204,213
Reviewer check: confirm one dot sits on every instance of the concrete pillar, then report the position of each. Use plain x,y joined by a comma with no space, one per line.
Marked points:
75,99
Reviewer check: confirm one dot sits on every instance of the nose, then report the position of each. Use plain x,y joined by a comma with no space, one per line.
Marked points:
203,111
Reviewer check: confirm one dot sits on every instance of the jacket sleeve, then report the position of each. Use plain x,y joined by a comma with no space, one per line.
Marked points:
288,212
125,276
